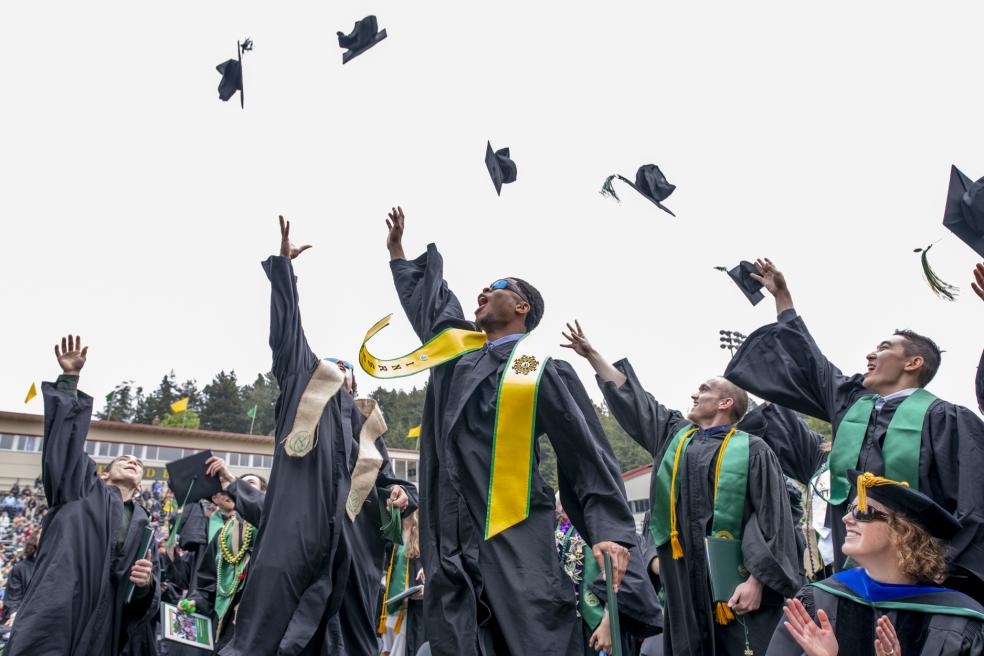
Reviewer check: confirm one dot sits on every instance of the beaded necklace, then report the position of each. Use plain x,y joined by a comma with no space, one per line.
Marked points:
228,558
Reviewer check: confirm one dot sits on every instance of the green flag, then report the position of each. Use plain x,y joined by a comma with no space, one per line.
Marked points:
251,413
109,397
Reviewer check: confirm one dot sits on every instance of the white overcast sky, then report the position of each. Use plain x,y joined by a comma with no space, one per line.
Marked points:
137,207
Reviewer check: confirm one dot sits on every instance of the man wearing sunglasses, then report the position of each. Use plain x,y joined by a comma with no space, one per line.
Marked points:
504,593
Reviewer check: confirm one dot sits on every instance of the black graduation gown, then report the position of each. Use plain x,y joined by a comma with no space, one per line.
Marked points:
299,564
75,604
920,634
358,617
508,593
769,547
17,582
781,363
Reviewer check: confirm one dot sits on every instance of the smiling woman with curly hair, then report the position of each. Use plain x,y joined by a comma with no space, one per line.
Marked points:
889,605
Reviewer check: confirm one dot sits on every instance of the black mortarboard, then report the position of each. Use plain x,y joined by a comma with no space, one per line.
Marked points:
232,74
650,182
188,479
900,498
502,170
748,285
964,212
363,36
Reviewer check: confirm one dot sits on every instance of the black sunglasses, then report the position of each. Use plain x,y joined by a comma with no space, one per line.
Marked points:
869,515
503,283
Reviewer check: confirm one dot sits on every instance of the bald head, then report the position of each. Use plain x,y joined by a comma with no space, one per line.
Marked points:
728,390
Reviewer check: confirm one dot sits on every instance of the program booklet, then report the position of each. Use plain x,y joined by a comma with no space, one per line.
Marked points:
189,629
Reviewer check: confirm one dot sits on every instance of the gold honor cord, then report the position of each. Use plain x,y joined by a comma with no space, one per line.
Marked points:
443,347
512,445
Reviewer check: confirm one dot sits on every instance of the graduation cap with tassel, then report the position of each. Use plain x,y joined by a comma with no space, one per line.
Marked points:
232,73
650,182
963,215
363,36
501,168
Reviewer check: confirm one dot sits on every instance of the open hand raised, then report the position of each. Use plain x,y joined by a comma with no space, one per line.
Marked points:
978,283
288,249
577,341
394,239
769,276
72,356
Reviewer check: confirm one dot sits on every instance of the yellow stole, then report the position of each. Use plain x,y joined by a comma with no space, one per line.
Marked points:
514,436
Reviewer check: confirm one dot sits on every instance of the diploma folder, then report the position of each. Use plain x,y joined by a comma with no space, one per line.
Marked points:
409,592
724,564
192,629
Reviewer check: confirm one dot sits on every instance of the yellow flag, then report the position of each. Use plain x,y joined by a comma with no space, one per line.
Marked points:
31,393
414,432
180,406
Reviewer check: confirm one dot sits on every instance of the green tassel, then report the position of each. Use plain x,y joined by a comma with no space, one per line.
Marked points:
937,284
608,190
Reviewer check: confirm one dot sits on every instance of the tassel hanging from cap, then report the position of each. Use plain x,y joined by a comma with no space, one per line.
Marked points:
869,480
723,613
608,189
939,286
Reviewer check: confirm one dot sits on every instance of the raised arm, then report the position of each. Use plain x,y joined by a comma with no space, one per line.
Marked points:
68,472
978,286
429,304
798,448
782,363
249,500
646,421
291,353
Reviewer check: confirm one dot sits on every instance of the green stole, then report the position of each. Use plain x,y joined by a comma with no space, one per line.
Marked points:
900,450
228,579
215,523
729,498
588,603
932,609
397,580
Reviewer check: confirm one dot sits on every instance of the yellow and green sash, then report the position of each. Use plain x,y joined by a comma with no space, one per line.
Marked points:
515,423
900,449
397,581
730,489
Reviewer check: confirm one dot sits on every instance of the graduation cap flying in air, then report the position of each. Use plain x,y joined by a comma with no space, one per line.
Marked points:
363,36
963,215
501,168
650,182
232,73
742,276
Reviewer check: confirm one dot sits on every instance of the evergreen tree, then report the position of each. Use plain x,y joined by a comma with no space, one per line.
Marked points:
402,411
121,402
263,395
157,405
222,405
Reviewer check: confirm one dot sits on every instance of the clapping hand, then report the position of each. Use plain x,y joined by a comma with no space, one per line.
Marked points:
72,356
814,640
287,249
887,642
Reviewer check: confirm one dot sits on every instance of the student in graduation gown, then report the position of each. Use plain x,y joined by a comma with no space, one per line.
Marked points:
873,416
401,625
224,570
891,604
353,630
508,594
76,602
978,287
693,623
18,580
300,565
640,615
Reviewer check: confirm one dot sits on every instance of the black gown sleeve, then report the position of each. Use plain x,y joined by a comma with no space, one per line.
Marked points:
647,421
781,363
798,448
291,353
591,493
768,538
782,643
67,470
249,501
428,303
956,440
204,593
16,586
387,478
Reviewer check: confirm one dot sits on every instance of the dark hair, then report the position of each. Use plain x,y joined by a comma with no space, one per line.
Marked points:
263,481
916,344
535,300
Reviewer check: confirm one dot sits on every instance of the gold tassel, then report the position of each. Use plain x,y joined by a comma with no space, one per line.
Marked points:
722,613
867,480
675,544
